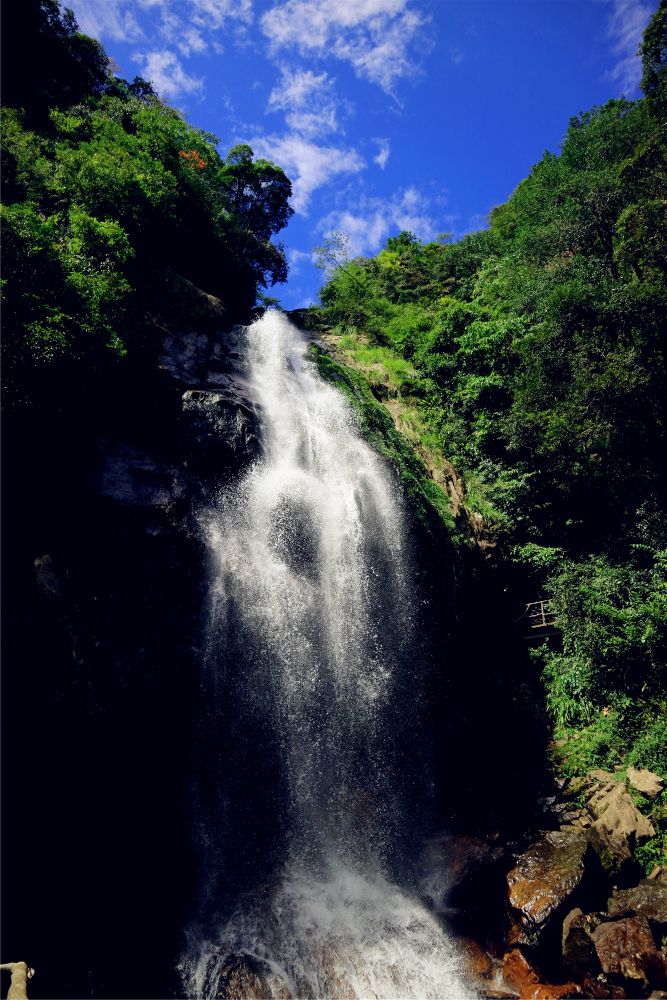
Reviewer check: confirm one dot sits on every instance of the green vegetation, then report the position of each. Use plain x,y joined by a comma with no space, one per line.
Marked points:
532,357
108,196
428,500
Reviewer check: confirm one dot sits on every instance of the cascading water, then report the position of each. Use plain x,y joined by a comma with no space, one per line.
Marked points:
311,578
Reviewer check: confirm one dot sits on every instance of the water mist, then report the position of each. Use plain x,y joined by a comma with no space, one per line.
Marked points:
310,600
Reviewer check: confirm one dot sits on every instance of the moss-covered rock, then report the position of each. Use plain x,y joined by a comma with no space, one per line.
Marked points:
428,500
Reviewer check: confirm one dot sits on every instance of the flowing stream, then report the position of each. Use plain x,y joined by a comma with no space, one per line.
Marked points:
310,603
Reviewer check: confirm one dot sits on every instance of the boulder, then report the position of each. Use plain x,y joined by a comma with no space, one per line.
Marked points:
243,976
545,877
222,427
618,825
578,950
448,861
520,975
196,359
556,991
185,356
134,478
597,774
626,948
477,962
600,988
648,899
646,782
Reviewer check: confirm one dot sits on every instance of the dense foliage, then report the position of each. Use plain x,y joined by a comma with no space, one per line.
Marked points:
108,195
532,356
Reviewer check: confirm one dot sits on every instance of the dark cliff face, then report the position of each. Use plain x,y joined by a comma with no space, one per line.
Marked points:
109,743
104,585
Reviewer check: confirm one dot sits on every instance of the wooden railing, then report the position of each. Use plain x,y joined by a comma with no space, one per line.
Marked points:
537,621
538,614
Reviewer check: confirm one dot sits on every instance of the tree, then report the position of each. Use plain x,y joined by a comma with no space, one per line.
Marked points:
654,58
333,255
257,192
47,62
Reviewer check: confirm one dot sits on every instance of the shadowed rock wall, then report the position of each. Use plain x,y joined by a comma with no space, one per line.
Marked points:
104,585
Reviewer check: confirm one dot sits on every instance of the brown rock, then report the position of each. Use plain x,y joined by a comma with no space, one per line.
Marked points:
478,963
625,948
491,993
646,782
449,859
243,976
516,933
602,777
618,825
649,899
600,988
553,991
572,815
616,814
518,973
578,950
657,972
546,875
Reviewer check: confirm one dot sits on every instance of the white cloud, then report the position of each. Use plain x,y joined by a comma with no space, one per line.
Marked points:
477,221
626,27
309,102
308,165
163,68
375,36
212,14
188,24
297,88
383,153
373,219
112,19
295,258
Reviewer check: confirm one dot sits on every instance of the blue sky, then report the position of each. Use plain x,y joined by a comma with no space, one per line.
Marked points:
386,114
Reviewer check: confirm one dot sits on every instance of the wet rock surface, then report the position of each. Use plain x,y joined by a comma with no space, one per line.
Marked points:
578,949
518,973
647,899
134,478
478,963
625,948
450,862
582,917
222,427
521,976
244,977
102,626
545,877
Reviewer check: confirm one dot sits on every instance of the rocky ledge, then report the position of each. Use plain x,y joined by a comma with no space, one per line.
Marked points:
579,916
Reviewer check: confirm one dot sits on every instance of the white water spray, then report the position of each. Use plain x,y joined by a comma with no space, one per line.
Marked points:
310,564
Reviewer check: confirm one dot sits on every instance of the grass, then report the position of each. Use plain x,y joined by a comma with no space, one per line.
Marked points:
428,499
406,395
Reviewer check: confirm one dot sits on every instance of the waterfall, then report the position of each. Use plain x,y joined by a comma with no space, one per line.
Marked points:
311,629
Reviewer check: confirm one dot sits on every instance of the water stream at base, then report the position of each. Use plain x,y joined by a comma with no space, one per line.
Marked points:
310,599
